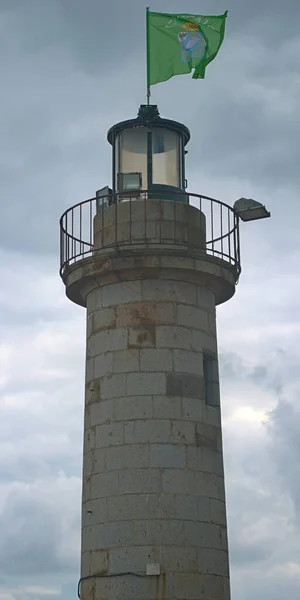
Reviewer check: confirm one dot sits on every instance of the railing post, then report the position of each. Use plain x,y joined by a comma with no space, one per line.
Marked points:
229,235
234,238
238,258
221,227
91,224
212,227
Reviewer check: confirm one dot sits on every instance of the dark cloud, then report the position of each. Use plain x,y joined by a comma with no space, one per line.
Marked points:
65,81
283,427
69,70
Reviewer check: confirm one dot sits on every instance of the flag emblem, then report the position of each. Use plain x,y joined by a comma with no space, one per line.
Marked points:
192,42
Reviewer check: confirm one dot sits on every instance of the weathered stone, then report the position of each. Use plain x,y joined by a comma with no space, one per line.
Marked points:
103,364
173,337
145,313
167,407
167,456
99,562
131,559
208,436
218,511
141,337
127,457
146,383
189,316
141,506
133,407
109,434
110,534
183,432
104,485
192,409
115,339
187,362
152,431
126,361
202,341
113,386
153,487
156,360
168,290
102,319
121,293
212,561
101,412
90,370
178,558
139,481
94,511
190,386
94,462
205,535
206,299
92,391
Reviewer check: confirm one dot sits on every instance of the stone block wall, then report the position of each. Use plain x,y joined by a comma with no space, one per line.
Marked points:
149,221
153,481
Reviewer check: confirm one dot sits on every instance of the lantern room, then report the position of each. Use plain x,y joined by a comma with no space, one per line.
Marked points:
148,153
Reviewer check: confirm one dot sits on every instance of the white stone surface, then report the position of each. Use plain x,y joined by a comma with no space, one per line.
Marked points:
153,487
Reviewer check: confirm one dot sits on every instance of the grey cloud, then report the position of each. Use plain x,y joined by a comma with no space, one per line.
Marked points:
31,542
262,472
268,587
259,374
33,531
263,536
283,427
249,552
279,370
86,27
41,402
231,365
65,75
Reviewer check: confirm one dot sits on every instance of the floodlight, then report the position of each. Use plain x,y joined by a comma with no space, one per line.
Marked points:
250,210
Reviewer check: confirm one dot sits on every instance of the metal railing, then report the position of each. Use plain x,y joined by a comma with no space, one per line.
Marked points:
77,227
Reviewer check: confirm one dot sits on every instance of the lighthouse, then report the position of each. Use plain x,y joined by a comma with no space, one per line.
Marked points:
150,262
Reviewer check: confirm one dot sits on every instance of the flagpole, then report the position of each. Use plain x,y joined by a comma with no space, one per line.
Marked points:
147,55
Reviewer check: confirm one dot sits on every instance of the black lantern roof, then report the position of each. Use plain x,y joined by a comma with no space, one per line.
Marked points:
149,115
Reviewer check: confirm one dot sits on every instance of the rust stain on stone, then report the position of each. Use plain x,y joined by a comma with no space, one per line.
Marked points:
164,585
161,586
108,322
87,590
92,596
142,337
135,314
93,391
145,313
206,436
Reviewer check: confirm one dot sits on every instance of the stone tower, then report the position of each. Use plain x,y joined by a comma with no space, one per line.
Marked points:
150,262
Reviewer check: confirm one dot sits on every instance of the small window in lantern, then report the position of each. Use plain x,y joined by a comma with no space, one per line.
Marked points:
128,182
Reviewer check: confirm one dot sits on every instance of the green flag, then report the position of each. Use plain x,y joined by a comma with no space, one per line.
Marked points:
178,43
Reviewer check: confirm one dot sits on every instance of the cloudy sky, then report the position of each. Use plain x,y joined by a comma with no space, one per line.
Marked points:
69,70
